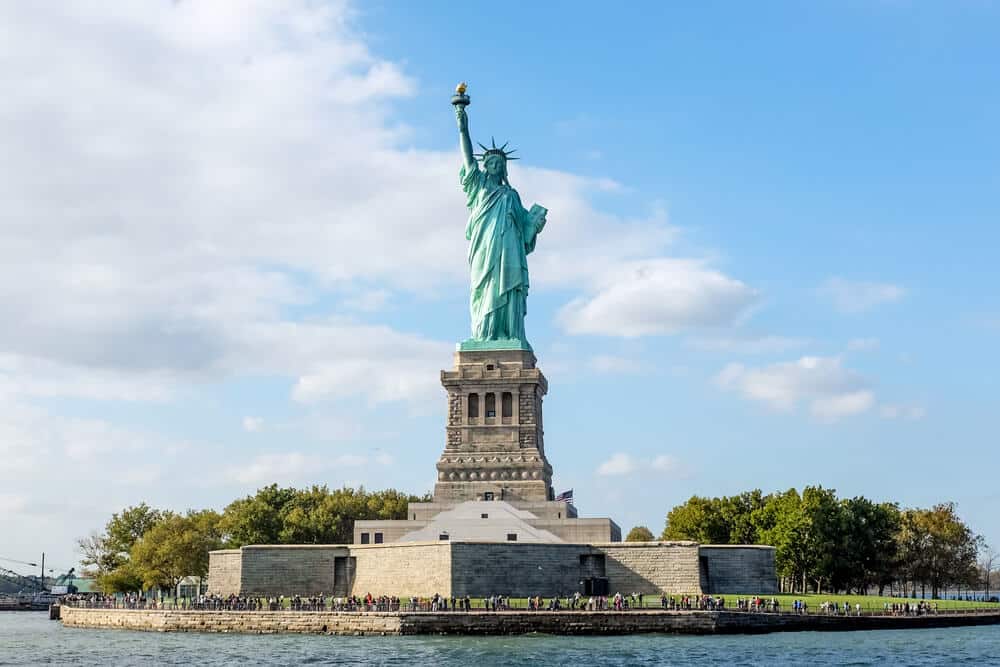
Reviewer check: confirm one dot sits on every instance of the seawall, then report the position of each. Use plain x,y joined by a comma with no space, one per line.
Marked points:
498,623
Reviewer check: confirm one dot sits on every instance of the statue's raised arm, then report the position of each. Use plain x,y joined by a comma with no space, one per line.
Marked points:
461,100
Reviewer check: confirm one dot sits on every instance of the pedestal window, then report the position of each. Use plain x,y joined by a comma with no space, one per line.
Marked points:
473,407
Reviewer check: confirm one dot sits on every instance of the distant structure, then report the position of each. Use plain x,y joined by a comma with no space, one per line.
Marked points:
495,525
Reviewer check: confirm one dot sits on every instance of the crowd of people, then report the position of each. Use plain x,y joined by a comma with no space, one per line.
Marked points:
493,603
909,609
758,604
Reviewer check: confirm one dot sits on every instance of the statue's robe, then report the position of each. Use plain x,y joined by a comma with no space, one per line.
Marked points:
501,234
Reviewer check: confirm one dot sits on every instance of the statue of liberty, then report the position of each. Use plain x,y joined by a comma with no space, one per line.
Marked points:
501,233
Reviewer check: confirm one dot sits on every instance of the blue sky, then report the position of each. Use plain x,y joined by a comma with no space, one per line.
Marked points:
234,253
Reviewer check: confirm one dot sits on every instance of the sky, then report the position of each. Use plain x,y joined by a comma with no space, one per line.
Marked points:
233,250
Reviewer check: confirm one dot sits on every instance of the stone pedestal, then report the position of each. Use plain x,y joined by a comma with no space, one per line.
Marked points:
494,448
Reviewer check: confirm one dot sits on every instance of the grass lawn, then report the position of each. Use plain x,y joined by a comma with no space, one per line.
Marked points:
872,602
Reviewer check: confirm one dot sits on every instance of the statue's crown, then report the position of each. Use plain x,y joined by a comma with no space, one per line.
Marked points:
496,151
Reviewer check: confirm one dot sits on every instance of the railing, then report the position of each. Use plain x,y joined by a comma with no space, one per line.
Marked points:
460,605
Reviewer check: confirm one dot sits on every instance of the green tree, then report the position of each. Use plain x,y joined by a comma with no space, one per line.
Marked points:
742,514
867,545
699,519
787,532
805,530
951,548
315,515
257,519
912,541
106,555
839,544
825,536
175,548
640,534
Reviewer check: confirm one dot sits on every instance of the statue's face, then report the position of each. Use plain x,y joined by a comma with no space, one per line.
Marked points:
494,165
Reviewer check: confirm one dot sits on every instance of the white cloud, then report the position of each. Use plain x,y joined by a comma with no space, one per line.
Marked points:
658,296
384,459
38,444
831,390
272,468
229,162
368,301
618,464
857,297
11,503
666,464
30,377
196,192
31,436
662,465
348,461
831,408
288,467
252,424
234,162
906,412
140,474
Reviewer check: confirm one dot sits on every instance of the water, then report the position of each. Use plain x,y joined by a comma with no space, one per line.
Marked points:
31,639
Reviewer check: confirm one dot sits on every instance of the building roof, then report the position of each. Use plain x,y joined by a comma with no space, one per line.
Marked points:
482,521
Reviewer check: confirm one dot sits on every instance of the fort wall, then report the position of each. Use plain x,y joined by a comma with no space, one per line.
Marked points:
500,623
403,569
480,569
740,568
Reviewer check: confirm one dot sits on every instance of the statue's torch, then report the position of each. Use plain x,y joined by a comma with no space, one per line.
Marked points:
460,99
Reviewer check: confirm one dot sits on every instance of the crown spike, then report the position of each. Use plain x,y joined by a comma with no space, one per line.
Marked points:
494,150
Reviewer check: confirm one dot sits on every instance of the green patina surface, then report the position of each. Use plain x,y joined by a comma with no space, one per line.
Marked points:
473,345
501,234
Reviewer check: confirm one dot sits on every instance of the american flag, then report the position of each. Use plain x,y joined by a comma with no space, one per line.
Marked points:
566,495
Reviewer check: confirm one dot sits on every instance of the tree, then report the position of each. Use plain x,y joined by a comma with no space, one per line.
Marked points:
841,544
640,534
787,532
106,555
699,519
913,541
308,516
257,519
987,562
826,532
952,548
726,520
867,545
937,548
884,525
742,514
175,548
805,530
